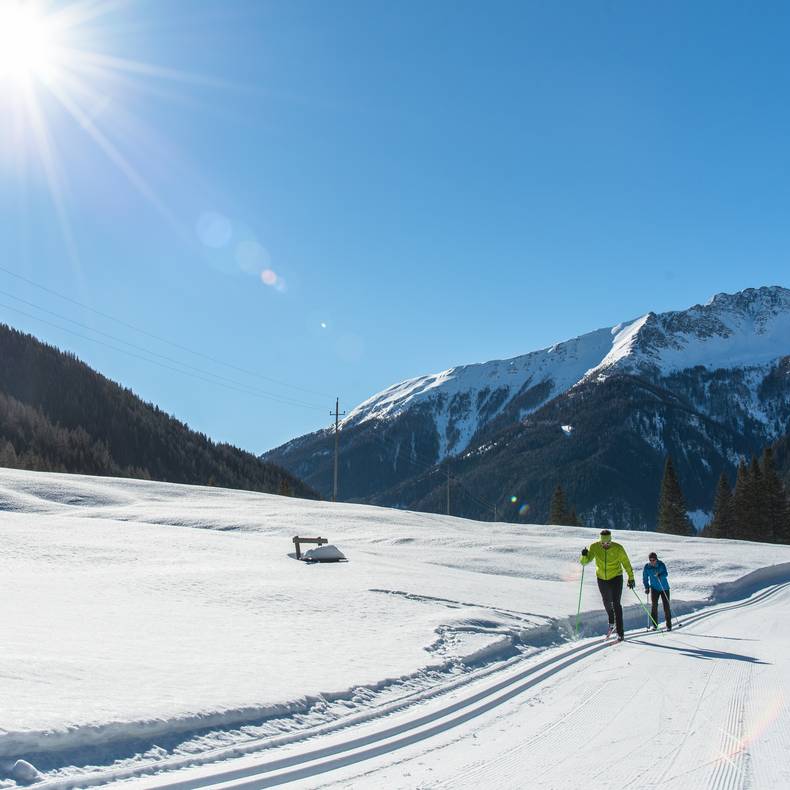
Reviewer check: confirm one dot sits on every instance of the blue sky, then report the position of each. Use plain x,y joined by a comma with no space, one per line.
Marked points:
424,184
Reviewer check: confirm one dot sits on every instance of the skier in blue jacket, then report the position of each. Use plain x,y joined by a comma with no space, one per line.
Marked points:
656,583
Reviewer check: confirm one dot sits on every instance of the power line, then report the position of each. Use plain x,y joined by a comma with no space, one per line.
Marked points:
337,413
201,375
412,457
157,337
283,399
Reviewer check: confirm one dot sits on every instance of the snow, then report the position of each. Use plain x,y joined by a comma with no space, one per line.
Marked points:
150,626
749,330
328,553
562,365
699,519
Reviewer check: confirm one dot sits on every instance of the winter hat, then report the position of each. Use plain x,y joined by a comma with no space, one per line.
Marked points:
606,534
652,556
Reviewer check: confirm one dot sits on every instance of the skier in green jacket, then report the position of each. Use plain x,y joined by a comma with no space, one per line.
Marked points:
610,561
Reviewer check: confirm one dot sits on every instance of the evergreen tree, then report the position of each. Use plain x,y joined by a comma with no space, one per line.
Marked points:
723,524
774,500
745,503
573,518
558,513
672,516
742,502
760,528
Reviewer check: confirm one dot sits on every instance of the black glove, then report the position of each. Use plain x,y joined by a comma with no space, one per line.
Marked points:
631,584
647,591
585,552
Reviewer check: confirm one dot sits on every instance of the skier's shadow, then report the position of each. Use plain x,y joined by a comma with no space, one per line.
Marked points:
712,636
698,652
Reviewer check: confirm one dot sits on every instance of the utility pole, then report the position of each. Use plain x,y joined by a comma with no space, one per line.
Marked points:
337,414
448,490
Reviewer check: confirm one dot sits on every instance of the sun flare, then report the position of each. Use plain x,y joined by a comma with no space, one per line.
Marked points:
26,42
58,74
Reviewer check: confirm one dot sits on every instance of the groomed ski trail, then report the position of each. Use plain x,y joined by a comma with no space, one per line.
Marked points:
369,741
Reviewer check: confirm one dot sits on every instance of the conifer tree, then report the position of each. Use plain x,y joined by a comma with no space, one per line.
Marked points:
672,516
760,528
558,513
745,503
774,498
722,524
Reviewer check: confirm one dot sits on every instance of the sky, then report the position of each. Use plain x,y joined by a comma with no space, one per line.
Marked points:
242,209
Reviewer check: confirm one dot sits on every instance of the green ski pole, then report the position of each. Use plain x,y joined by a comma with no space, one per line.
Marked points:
647,612
579,608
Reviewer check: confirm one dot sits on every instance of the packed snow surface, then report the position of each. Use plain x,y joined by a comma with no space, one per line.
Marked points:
148,624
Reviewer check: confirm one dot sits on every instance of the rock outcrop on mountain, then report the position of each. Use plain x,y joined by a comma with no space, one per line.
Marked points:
598,414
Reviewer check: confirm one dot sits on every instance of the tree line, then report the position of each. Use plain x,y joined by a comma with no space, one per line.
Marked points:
59,415
756,508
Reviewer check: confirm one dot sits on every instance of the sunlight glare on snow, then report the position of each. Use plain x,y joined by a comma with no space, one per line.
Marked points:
757,728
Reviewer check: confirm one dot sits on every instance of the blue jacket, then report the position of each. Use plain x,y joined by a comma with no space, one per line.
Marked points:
655,576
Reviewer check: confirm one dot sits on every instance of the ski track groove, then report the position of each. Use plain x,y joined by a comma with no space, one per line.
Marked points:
639,772
492,770
357,749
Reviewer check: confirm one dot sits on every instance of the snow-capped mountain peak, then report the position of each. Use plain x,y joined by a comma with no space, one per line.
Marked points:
749,328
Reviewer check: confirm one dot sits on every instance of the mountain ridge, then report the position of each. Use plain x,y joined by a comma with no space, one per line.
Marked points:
722,360
58,414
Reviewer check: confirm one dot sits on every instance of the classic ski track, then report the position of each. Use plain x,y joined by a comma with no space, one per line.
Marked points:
545,739
673,752
724,771
357,749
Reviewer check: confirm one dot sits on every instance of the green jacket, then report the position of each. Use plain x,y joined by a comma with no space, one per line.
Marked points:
610,562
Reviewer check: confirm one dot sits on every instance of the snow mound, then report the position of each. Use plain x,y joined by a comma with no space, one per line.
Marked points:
328,553
24,772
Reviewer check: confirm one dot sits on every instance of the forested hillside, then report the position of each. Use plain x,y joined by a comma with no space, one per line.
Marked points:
57,414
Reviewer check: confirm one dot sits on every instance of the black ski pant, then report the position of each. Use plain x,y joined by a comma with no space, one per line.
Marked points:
611,593
664,596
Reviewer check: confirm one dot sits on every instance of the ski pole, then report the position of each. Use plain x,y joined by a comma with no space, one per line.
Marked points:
666,593
581,585
636,595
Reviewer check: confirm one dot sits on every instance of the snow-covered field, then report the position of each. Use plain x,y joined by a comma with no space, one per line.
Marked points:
148,626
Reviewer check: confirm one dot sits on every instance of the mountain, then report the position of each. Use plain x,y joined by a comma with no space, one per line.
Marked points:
598,414
57,414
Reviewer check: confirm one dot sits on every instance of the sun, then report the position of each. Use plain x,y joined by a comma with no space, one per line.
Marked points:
27,43
56,71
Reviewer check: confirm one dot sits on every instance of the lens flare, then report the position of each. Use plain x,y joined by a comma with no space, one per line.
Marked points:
269,277
513,500
251,256
523,510
54,68
214,230
760,725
